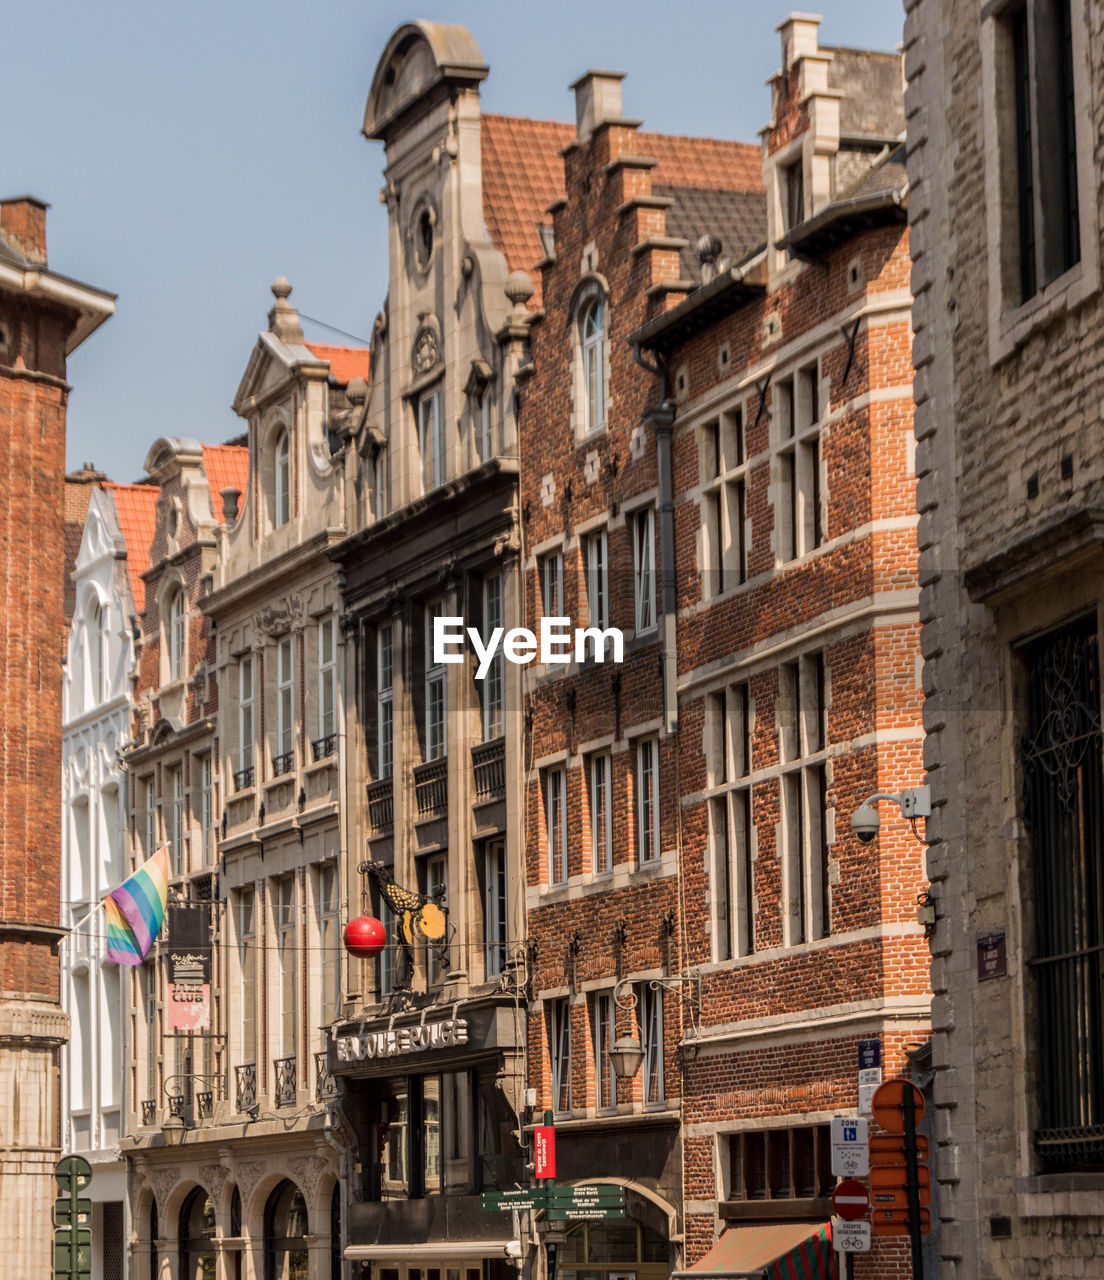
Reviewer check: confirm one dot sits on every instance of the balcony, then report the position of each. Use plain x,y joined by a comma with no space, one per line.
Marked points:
283,764
149,1111
285,1081
381,807
246,1076
431,788
325,1086
489,769
323,747
243,779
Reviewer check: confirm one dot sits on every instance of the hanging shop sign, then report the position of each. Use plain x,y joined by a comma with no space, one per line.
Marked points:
394,1042
189,959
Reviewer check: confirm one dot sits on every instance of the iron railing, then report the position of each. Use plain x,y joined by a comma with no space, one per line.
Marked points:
283,763
246,1077
431,788
1063,770
243,778
205,1104
149,1111
323,747
325,1086
285,1081
489,769
381,806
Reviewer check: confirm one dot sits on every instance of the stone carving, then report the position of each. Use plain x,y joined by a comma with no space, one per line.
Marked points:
163,1181
508,542
426,353
283,616
213,1176
307,1171
247,1173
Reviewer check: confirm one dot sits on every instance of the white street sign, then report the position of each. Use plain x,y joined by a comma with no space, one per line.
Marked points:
850,1147
866,1098
851,1237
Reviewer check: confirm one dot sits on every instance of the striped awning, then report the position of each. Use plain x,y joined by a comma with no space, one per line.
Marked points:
778,1251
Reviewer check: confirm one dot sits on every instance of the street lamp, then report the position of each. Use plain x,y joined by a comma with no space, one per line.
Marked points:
179,1120
174,1130
628,1053
626,1056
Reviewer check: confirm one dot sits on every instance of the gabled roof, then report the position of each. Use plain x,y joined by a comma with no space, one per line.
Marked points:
703,162
522,174
136,509
227,467
346,363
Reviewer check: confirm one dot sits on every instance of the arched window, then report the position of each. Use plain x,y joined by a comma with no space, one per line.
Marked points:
197,1231
592,335
174,637
285,1225
281,481
95,645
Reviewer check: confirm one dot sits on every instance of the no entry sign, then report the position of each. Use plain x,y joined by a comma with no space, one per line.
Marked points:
851,1199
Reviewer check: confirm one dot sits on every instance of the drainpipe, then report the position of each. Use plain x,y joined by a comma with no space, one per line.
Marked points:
662,417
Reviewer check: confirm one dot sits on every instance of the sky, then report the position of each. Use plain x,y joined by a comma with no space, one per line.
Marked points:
193,153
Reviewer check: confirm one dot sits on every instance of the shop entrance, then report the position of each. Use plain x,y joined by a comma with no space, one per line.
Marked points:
613,1250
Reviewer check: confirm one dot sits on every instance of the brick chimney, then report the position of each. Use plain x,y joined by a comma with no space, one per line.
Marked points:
597,100
23,225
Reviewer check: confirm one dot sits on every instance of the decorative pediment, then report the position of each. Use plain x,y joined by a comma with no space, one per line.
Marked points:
279,618
420,58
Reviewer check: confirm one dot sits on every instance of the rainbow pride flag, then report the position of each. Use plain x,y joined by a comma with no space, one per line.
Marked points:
136,909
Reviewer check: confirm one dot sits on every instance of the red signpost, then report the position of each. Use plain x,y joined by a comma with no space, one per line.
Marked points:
903,1184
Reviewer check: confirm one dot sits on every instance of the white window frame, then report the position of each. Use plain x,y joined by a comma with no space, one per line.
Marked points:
176,820
493,685
327,677
281,478
600,806
724,468
731,822
247,966
550,566
287,1002
246,696
285,696
206,815
555,818
802,725
644,570
649,834
559,1054
797,414
596,565
592,346
602,1026
486,426
494,908
149,815
436,690
329,902
649,1011
385,701
176,634
431,439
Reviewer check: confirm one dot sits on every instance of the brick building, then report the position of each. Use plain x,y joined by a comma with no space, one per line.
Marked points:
44,316
1005,154
746,518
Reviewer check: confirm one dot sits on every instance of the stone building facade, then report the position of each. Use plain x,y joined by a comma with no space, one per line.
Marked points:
1005,121
108,593
44,317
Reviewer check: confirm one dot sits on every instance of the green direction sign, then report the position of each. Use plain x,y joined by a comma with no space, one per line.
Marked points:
600,1193
524,1198
66,1210
579,1213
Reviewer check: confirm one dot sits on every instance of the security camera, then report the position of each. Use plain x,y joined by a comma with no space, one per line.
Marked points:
865,823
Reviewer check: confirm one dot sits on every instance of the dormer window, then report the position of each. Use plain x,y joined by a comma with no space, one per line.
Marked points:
592,336
281,481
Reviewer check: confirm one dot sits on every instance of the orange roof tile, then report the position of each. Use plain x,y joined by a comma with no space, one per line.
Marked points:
522,175
227,467
346,363
136,508
703,162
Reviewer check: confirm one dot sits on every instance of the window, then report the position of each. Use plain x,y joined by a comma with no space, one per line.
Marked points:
596,551
647,800
728,724
649,1013
385,706
387,955
555,819
247,967
486,427
1063,770
599,802
205,814
494,679
329,940
175,636
327,680
559,1048
149,1017
796,418
601,1030
724,504
244,776
551,584
592,336
436,887
148,792
431,439
436,745
780,1164
281,481
494,907
1047,227
94,632
284,758
286,1005
791,194
643,536
802,725
176,819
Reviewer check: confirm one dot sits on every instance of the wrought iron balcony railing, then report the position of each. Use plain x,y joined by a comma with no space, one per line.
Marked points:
323,747
149,1110
243,779
489,769
246,1076
325,1086
283,764
285,1081
381,806
431,788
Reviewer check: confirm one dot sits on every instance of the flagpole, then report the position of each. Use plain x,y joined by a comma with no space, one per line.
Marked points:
85,918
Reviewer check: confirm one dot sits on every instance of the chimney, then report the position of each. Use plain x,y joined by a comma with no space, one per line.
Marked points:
799,37
597,100
23,226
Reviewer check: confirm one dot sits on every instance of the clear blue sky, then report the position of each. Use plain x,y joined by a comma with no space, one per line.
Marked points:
192,153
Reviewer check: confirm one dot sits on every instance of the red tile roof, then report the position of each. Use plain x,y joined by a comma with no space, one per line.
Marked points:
703,162
227,467
136,508
522,175
346,363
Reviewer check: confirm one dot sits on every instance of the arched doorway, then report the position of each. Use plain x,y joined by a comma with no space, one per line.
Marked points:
603,1250
154,1234
196,1235
285,1226
335,1233
233,1249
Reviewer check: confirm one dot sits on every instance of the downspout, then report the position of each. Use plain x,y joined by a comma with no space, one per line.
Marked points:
662,417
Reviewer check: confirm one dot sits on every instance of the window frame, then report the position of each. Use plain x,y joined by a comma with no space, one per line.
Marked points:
281,478
436,690
550,570
647,806
592,353
802,718
285,929
329,943
800,507
492,693
385,701
645,576
554,791
731,821
559,1054
247,964
285,703
327,676
176,634
601,828
246,703
649,1013
495,908
602,1032
430,417
725,469
177,824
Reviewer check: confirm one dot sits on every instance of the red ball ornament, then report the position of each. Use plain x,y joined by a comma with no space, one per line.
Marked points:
364,937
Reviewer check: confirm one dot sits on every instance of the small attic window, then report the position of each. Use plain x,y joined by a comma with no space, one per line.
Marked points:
547,238
423,240
792,195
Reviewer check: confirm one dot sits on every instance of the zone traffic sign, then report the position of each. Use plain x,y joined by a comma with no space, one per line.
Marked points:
850,1146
